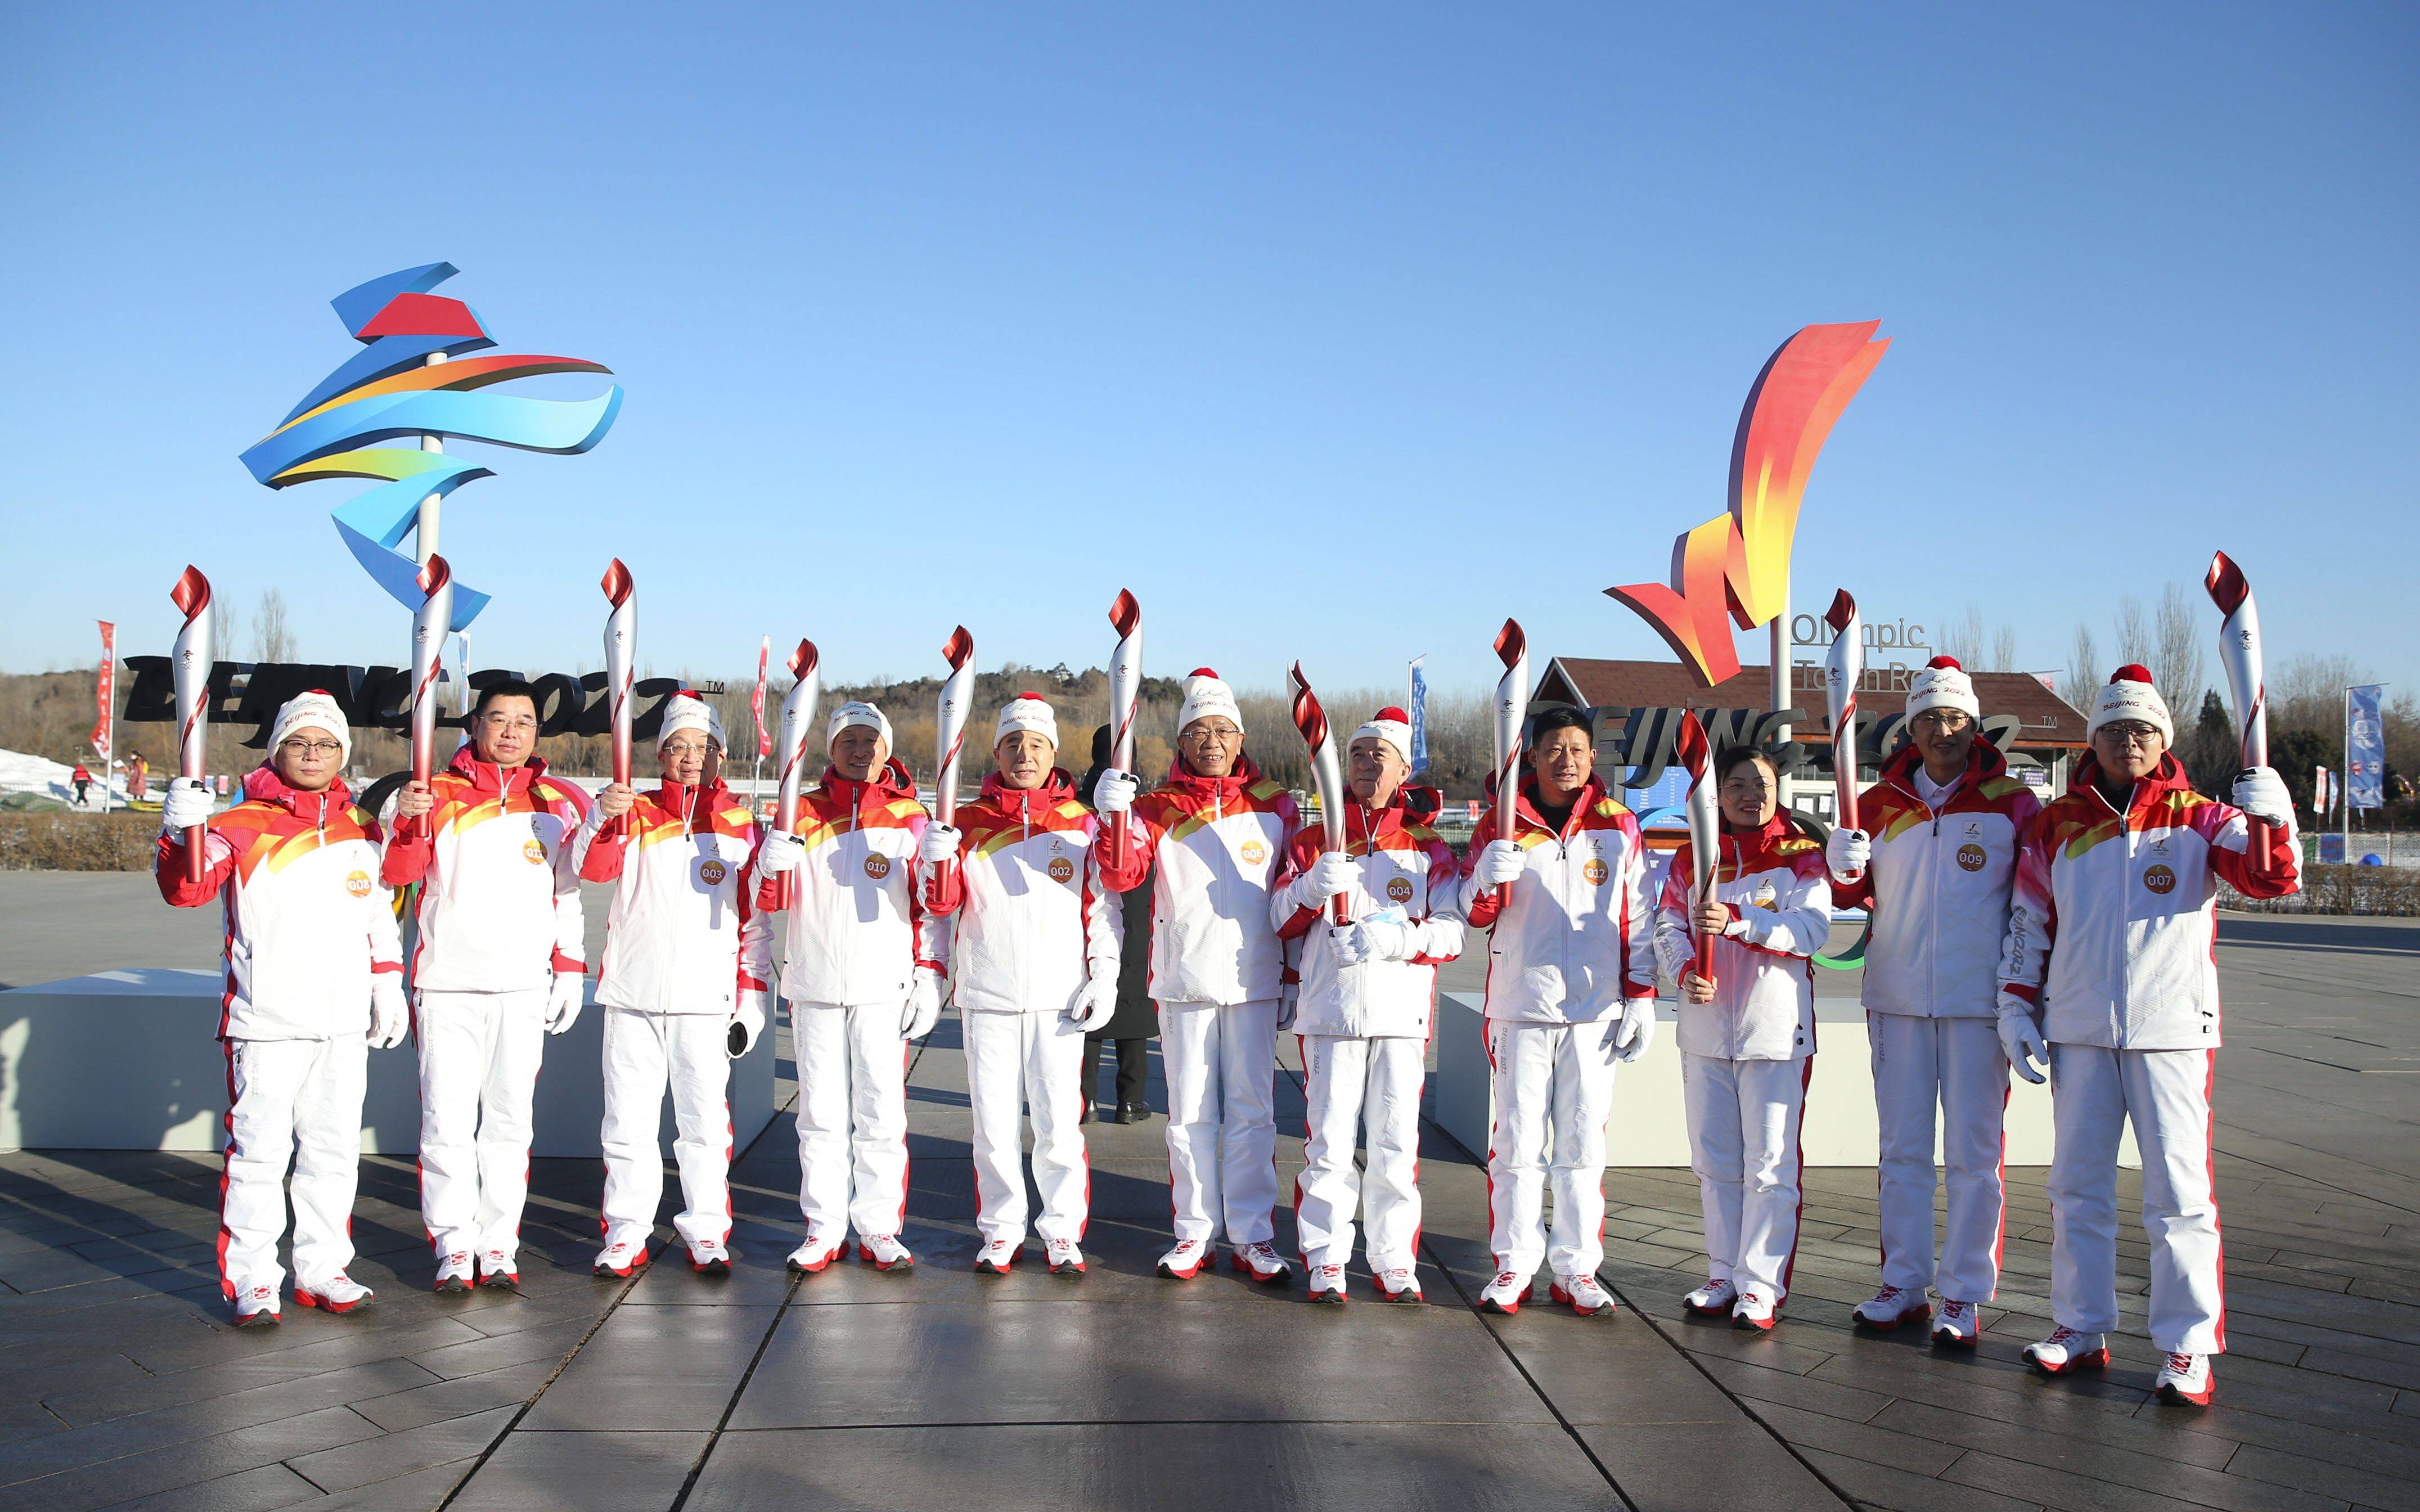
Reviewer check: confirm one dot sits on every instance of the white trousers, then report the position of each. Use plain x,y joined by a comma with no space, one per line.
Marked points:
1955,1065
1358,1087
852,1118
1223,1132
2166,1094
479,1058
1743,1119
1554,1090
299,1101
1035,1059
645,1053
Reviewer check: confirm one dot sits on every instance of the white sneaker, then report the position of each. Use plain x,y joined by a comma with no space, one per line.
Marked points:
454,1273
814,1255
339,1293
885,1253
1184,1262
1261,1262
1713,1300
256,1305
1064,1258
1398,1284
496,1269
1505,1294
1754,1310
997,1257
1582,1294
1889,1307
619,1260
2185,1381
2066,1349
709,1256
1327,1283
1960,1325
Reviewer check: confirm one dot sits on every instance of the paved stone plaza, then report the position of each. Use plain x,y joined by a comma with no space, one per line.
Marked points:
122,1383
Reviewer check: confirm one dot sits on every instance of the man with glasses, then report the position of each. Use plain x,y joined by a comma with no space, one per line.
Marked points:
1216,831
498,966
2109,975
1935,862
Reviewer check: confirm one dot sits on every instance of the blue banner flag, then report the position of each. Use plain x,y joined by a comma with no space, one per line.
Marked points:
2365,749
1419,713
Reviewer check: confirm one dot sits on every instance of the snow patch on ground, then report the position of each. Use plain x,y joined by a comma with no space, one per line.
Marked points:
20,773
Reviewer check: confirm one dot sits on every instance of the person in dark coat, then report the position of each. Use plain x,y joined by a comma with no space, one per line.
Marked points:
1136,1020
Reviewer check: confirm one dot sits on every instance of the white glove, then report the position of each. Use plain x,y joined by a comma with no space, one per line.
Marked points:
781,852
1634,1030
1502,862
1332,873
2261,793
563,1000
2020,1039
940,844
186,804
1097,1005
1289,992
747,1022
1848,852
923,1009
389,1018
1369,939
1114,792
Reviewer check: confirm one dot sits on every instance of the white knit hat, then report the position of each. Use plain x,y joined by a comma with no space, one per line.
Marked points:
316,709
1943,684
1027,711
1391,725
685,710
857,713
1205,694
2128,694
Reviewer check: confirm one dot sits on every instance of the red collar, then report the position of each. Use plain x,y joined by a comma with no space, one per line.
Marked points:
263,785
1030,803
892,782
1192,784
489,778
1362,823
1982,762
1591,791
2166,778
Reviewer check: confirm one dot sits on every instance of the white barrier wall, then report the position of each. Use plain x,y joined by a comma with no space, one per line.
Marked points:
129,1060
1650,1127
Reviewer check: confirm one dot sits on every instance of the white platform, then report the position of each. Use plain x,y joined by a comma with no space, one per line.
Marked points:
129,1060
1650,1127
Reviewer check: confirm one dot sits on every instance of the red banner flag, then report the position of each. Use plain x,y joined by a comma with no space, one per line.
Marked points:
102,736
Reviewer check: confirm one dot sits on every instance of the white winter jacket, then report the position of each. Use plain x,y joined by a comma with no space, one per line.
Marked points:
683,935
1407,875
1031,920
1579,936
1781,903
1218,842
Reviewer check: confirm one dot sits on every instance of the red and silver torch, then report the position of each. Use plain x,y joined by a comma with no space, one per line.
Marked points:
1705,825
1511,711
948,739
621,647
1125,687
798,718
190,665
1844,668
430,625
1326,777
2239,652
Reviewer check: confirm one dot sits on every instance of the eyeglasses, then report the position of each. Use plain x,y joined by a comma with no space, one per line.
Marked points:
1948,721
299,748
1201,734
687,747
1746,790
508,721
2129,732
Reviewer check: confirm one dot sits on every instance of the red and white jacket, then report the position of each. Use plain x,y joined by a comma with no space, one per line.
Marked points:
1034,921
857,930
683,935
1407,876
1939,886
1580,934
2116,916
1774,883
499,901
1218,841
307,920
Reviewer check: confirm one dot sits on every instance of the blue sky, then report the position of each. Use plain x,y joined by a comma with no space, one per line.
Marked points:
1338,336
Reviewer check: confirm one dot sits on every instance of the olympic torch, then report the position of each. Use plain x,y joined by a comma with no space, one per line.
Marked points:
430,624
621,644
1125,687
2239,651
798,718
1325,779
1705,828
1844,668
190,665
949,735
1511,709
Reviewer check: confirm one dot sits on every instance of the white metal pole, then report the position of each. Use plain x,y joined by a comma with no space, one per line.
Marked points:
425,543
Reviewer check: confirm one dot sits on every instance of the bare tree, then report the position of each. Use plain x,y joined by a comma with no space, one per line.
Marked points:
2134,640
1963,641
2177,664
271,642
2084,669
2003,650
